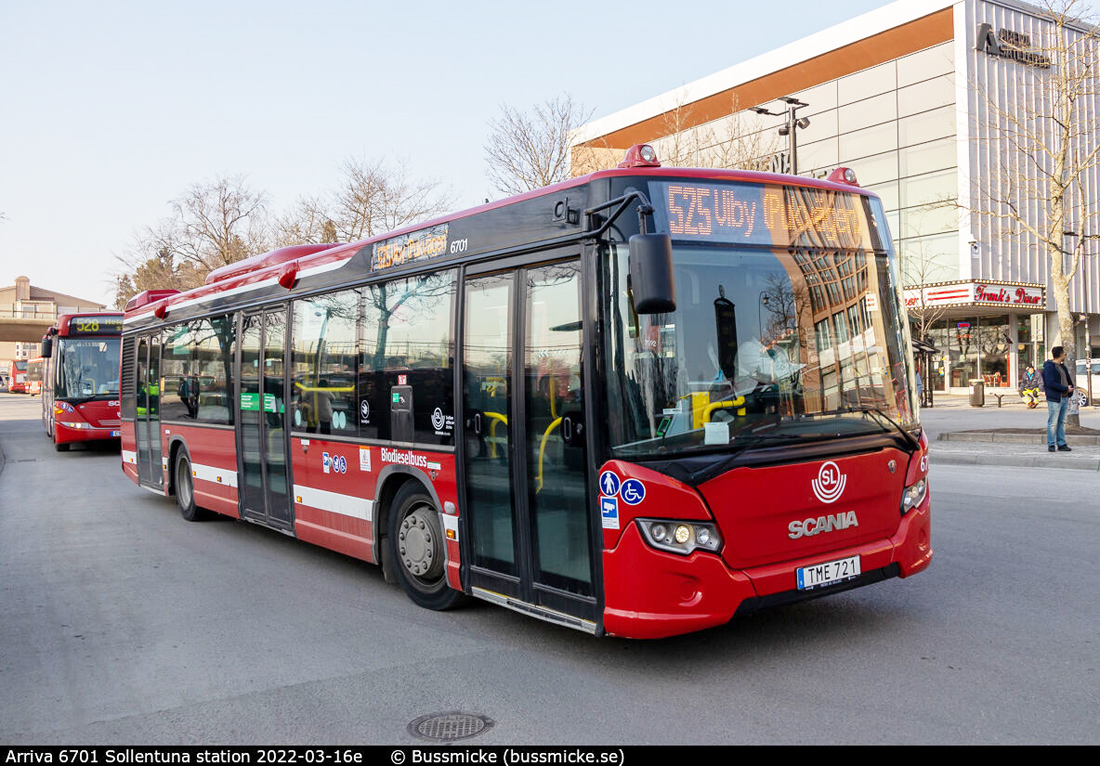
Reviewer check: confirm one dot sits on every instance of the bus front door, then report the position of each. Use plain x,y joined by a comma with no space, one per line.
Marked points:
147,420
529,526
261,434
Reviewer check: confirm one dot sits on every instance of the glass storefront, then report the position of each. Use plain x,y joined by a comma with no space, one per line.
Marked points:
978,347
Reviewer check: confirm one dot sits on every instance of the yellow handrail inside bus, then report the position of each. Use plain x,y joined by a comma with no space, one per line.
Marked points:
702,408
542,450
729,403
497,418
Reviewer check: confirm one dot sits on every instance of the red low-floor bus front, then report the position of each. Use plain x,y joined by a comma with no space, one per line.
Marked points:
640,402
17,376
80,396
35,370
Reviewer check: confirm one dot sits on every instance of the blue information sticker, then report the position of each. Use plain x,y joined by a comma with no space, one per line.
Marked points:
609,511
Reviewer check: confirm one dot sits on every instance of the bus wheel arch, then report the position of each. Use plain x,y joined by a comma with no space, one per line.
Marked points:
182,483
414,549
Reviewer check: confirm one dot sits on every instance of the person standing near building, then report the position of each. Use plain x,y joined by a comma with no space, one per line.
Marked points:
1058,385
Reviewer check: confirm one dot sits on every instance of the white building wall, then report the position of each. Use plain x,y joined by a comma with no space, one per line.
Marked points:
1000,91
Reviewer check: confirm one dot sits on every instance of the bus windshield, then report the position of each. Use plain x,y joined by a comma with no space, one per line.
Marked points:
766,346
87,367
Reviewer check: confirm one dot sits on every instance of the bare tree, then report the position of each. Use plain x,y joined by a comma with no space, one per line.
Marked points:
527,151
212,224
219,223
733,141
1040,189
373,198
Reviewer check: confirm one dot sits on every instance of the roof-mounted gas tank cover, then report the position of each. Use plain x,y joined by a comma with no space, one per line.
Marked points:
147,297
844,176
262,261
640,156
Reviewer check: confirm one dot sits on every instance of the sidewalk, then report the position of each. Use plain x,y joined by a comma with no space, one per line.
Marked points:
1008,435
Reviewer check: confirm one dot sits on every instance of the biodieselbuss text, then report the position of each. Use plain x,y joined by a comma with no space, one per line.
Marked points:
641,402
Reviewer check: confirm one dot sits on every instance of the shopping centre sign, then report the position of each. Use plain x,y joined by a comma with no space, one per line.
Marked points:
1011,295
1013,46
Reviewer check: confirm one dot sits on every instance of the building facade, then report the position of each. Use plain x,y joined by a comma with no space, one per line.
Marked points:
25,301
918,98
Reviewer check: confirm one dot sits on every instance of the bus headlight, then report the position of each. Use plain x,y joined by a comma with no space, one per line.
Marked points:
681,537
913,496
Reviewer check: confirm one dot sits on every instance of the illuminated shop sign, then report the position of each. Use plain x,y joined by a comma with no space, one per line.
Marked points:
764,215
1013,46
1011,295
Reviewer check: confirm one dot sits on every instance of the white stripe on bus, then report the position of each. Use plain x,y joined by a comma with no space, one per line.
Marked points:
334,502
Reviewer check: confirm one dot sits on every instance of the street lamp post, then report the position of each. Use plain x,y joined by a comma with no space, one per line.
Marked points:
790,126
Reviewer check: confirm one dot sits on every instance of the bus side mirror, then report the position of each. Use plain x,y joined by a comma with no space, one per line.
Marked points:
47,348
651,279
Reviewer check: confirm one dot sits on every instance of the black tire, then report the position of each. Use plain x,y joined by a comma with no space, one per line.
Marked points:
418,548
185,488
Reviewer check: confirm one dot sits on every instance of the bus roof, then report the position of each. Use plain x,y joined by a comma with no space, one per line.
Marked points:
285,266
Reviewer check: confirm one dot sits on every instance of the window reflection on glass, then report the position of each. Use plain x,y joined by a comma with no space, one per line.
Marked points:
197,371
554,414
764,344
406,336
324,360
87,368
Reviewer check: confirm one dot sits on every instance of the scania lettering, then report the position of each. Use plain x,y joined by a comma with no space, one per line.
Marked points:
811,527
642,402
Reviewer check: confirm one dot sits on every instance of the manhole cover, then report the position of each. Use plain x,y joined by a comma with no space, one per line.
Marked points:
446,727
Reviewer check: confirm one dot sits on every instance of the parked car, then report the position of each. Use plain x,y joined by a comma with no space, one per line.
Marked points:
1083,382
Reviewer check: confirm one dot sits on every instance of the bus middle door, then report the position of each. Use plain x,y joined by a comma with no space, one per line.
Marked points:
261,434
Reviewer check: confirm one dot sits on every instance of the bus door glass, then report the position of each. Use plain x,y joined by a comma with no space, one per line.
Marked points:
147,421
262,436
525,456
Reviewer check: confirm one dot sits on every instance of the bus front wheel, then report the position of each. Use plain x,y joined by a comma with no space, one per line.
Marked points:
419,550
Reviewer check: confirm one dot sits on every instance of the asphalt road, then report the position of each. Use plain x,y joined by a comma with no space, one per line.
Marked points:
120,623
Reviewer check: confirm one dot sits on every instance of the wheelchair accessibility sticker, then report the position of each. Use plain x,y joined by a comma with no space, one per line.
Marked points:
632,492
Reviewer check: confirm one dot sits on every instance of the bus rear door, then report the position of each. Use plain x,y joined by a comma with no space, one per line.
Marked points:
147,416
261,434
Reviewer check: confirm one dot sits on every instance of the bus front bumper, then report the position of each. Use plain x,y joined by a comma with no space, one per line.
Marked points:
652,594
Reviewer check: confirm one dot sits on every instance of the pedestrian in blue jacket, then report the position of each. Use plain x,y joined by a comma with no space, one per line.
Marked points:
1058,385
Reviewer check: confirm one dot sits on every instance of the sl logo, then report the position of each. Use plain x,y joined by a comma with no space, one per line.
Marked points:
829,484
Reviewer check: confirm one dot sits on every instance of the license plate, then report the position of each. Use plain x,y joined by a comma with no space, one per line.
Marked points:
116,433
828,573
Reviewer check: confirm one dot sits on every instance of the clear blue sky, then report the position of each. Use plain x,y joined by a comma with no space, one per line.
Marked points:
110,109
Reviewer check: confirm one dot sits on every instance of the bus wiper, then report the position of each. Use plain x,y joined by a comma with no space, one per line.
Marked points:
870,410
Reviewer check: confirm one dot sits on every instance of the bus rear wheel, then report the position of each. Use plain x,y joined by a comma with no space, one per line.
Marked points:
419,550
185,488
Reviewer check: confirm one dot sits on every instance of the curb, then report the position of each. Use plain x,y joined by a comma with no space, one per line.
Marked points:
952,457
996,437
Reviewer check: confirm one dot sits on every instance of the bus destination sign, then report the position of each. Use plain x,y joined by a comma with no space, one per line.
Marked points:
758,214
95,325
408,248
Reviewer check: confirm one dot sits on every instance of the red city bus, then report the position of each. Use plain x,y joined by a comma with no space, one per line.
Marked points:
17,377
80,378
35,369
641,402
